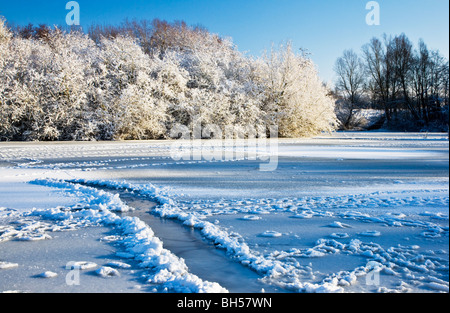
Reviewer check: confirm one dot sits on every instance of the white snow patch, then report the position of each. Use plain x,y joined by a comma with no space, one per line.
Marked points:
117,264
438,287
339,235
48,274
83,265
336,224
98,207
251,218
7,265
271,234
106,272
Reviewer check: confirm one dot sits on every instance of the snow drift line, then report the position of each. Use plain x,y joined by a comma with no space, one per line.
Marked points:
275,272
149,251
166,269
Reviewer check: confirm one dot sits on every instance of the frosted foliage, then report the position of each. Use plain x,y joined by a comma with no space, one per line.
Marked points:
68,87
128,107
294,97
46,87
5,34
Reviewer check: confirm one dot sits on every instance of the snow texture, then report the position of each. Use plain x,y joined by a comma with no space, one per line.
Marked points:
314,225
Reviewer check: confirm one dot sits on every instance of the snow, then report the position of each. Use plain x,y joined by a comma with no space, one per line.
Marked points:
118,264
315,224
106,271
83,265
438,287
336,224
48,274
271,233
7,265
370,233
116,88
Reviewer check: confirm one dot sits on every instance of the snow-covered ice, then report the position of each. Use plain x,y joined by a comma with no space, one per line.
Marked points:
339,209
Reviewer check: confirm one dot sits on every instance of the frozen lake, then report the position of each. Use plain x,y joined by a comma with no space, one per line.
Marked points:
348,212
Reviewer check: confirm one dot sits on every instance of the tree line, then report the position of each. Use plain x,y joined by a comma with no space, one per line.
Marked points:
140,79
409,84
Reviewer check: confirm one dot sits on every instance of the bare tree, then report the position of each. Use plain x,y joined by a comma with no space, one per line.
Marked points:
411,86
350,85
375,56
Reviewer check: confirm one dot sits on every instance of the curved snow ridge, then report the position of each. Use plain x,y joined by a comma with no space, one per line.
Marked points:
276,268
164,268
90,197
274,271
161,195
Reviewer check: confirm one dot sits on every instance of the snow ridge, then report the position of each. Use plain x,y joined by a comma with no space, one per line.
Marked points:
278,268
97,208
275,272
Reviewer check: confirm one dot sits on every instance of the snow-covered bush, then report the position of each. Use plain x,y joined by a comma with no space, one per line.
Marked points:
45,85
5,37
66,86
5,34
21,79
294,97
127,107
203,78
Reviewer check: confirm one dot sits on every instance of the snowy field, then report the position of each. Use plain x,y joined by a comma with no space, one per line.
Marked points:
348,212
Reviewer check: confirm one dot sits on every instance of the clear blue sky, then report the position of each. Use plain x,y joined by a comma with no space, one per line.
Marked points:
325,27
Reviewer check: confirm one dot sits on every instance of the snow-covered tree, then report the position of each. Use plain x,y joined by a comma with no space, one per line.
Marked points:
219,86
66,86
294,97
46,84
5,37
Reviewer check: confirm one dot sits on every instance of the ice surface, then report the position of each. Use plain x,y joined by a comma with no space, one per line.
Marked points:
338,210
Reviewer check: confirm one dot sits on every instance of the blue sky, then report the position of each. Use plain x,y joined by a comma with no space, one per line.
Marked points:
325,27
